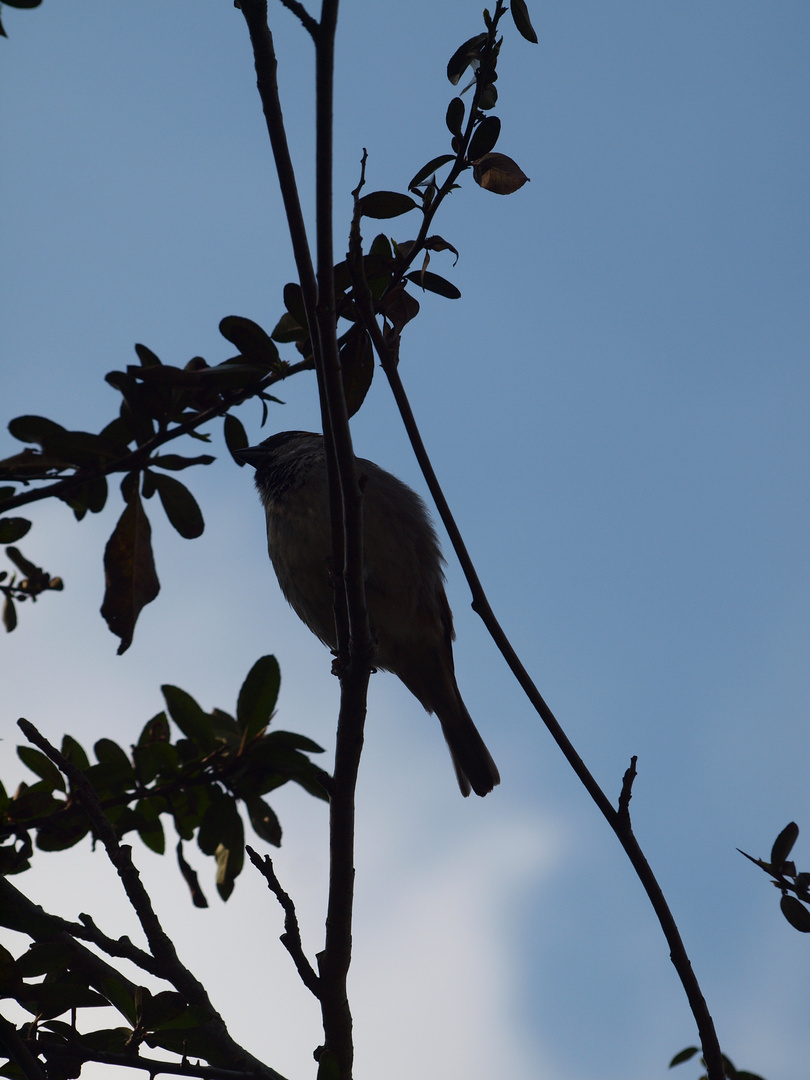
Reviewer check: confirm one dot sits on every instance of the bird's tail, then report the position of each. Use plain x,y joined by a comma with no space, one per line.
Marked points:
473,763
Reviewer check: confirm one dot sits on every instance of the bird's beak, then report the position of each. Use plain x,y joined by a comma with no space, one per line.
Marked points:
251,455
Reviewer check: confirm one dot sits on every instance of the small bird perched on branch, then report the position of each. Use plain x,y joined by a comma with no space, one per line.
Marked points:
407,606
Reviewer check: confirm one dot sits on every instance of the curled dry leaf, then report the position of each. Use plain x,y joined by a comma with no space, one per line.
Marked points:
498,173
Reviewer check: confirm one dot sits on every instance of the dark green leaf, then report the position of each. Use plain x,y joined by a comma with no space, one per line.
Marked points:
110,753
294,303
257,697
147,357
380,246
293,741
433,164
520,13
464,56
38,763
10,978
189,717
796,913
129,569
455,116
23,3
190,878
44,957
386,204
250,339
74,752
13,529
288,329
264,821
64,830
489,98
357,368
180,506
684,1055
235,437
49,999
484,137
9,614
427,280
783,844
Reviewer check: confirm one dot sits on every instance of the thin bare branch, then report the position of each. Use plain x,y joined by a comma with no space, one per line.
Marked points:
307,21
291,938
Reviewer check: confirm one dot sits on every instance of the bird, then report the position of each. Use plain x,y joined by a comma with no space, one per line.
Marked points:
409,615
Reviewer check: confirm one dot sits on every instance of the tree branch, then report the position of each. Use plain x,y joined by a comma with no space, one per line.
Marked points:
291,938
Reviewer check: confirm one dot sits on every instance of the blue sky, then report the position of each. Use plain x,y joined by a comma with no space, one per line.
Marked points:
618,410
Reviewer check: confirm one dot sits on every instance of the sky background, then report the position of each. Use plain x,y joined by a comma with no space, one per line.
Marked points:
617,408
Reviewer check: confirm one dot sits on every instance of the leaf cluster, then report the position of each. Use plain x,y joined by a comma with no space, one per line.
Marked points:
159,403
794,886
73,983
198,780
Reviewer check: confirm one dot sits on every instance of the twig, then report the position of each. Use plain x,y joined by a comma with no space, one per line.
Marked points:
307,21
291,938
627,794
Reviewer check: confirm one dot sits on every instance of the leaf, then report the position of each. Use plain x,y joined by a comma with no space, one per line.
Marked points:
129,571
38,763
438,243
520,14
432,165
264,821
180,506
455,116
484,137
356,368
783,844
288,329
385,204
13,529
488,98
9,615
74,753
433,283
399,307
257,697
796,913
684,1055
190,877
189,717
294,303
147,357
235,437
499,173
251,340
464,55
